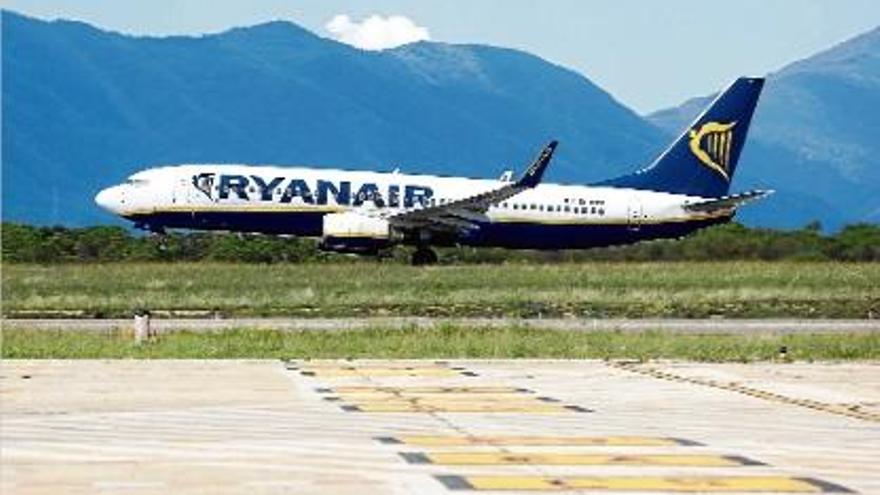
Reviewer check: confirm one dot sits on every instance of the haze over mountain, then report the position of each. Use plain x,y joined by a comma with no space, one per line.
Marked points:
815,137
83,108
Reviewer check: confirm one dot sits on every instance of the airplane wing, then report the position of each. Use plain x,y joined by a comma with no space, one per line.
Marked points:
463,214
728,202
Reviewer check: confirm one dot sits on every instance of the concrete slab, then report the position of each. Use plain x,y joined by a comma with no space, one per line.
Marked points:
264,427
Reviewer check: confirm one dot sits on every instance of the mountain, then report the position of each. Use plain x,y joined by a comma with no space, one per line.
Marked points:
83,108
815,137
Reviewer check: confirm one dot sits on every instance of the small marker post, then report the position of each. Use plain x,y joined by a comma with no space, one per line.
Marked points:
142,330
783,353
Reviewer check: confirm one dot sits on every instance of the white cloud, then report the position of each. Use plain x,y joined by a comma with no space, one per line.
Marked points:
376,32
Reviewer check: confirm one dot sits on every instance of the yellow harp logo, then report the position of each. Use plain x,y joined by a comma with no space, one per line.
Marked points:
711,145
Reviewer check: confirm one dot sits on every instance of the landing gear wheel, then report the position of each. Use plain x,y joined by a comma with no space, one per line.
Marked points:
161,239
424,256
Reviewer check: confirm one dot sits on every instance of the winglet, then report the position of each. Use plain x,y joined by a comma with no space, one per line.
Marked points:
533,174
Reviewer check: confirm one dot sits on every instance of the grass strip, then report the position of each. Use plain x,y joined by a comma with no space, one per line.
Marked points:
601,290
443,342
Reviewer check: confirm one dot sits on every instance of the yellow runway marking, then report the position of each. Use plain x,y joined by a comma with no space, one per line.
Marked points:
344,372
555,459
452,396
850,410
445,403
424,390
368,364
535,441
680,484
463,407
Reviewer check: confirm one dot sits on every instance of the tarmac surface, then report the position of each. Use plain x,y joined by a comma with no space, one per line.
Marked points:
711,325
427,427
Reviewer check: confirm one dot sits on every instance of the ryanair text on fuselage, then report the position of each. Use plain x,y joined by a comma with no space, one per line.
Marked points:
286,190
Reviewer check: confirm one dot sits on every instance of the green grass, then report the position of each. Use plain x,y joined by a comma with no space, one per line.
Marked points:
445,342
687,289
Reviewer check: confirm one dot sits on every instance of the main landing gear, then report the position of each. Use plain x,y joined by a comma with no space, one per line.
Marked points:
157,234
424,256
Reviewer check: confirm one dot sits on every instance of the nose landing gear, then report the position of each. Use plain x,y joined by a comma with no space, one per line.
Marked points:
161,239
424,256
157,234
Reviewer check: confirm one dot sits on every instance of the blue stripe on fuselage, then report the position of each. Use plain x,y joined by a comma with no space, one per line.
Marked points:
520,235
300,223
578,236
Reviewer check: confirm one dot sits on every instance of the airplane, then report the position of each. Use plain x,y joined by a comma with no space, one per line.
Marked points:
685,189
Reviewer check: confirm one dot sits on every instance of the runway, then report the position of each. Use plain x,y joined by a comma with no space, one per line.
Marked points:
438,427
684,326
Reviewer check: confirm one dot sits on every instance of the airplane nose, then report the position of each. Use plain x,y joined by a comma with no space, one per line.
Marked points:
110,199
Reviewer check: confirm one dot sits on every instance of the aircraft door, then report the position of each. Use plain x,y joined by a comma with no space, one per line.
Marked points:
181,195
192,191
198,189
635,214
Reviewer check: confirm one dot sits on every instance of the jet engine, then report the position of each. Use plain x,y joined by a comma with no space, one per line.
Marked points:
355,233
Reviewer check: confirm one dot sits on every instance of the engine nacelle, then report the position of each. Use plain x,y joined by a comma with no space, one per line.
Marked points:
354,233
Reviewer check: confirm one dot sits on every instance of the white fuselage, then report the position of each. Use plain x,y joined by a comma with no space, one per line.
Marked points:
293,201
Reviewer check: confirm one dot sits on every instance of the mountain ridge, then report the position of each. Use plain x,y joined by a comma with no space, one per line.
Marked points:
111,104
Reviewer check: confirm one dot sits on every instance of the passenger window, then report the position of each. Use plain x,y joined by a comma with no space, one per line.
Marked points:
593,210
581,201
567,209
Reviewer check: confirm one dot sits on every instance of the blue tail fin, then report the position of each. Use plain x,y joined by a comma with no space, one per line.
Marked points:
702,161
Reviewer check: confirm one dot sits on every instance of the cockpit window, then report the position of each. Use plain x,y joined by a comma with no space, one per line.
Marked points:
137,182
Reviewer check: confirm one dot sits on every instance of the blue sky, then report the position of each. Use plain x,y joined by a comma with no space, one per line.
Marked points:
647,54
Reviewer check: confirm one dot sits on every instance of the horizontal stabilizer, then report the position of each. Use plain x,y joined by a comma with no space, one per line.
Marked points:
728,202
